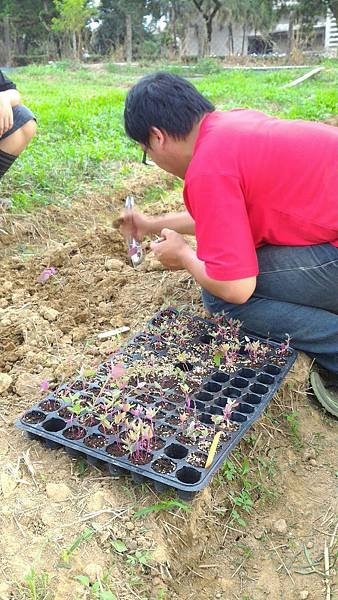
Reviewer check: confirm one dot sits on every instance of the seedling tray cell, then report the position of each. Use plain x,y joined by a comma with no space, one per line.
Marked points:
154,408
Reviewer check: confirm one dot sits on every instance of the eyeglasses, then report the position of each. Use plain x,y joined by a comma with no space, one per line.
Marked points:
149,163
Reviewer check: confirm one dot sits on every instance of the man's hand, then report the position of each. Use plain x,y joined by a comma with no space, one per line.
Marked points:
133,224
6,114
171,250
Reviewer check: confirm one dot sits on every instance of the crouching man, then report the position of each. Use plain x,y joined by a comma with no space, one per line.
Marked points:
260,196
17,124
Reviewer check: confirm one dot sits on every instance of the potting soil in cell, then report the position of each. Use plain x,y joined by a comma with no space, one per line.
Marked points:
155,406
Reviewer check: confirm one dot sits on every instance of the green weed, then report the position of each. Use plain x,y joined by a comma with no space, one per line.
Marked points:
138,558
85,535
165,505
250,483
292,421
81,466
98,590
134,558
36,586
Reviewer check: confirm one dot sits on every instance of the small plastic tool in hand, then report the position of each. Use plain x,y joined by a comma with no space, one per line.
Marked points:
135,251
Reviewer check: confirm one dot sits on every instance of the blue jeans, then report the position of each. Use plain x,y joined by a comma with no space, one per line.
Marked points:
296,293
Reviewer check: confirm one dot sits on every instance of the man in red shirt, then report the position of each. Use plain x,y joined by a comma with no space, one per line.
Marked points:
261,197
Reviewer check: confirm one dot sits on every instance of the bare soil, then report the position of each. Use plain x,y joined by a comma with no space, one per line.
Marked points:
48,332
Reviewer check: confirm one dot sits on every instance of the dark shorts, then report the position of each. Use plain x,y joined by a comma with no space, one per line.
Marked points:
21,116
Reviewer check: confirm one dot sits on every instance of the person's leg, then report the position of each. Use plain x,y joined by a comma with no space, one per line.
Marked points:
296,294
14,141
306,275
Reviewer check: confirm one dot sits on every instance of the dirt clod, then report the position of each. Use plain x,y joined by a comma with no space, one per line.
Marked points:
308,454
113,264
27,384
5,591
58,492
5,382
50,314
303,595
93,572
8,483
280,527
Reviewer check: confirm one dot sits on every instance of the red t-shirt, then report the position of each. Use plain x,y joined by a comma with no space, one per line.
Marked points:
255,180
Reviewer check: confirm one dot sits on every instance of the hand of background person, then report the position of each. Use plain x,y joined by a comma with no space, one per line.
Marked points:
133,224
6,114
170,251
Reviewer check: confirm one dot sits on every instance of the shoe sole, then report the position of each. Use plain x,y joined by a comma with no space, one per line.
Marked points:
328,399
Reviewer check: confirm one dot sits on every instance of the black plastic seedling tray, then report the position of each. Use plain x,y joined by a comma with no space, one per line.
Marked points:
250,385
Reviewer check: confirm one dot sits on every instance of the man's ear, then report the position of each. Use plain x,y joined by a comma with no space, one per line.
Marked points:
157,137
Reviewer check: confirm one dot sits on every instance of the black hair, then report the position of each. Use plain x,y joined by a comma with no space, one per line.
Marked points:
165,101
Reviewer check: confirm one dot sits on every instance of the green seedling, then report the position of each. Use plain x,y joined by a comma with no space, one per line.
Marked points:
228,470
243,500
119,546
139,558
292,420
97,589
36,585
76,408
217,359
85,535
82,466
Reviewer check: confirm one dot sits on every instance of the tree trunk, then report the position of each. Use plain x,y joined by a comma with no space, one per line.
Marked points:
58,46
7,40
74,45
79,45
333,6
201,39
243,39
231,39
128,42
173,21
208,23
291,35
208,19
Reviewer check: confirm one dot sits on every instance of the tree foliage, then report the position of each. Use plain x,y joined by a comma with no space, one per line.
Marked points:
73,16
51,29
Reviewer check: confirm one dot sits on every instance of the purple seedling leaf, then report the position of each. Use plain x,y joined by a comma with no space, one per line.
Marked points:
117,371
46,274
44,386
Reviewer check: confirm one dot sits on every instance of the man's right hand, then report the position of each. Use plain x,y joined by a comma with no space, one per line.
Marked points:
6,114
134,224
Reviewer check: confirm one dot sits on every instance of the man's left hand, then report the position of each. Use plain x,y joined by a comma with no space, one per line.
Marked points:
171,250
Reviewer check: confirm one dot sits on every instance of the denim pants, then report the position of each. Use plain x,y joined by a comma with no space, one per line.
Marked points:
296,294
21,116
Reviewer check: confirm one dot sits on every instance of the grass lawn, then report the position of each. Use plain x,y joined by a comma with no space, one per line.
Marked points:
81,142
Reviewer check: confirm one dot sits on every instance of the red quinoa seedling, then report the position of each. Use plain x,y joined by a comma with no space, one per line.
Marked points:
256,350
